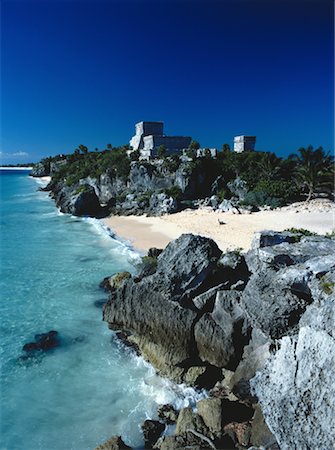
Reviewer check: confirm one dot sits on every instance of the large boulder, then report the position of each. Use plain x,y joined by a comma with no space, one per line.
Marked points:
152,429
41,169
158,308
78,200
286,279
218,412
222,333
161,203
238,188
296,391
279,250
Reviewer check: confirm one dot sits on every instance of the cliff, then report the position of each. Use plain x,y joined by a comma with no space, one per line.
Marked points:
152,188
256,329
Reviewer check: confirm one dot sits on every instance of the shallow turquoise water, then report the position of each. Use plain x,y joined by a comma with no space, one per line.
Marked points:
90,388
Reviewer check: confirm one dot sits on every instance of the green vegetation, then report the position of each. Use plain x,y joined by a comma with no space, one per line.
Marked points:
314,171
82,188
88,164
174,192
222,194
135,155
171,163
149,264
326,285
270,180
301,231
161,151
145,197
194,145
236,251
118,279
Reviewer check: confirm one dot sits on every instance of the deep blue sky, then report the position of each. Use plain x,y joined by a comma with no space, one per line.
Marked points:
85,71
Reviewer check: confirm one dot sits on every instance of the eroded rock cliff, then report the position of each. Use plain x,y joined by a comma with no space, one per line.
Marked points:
258,327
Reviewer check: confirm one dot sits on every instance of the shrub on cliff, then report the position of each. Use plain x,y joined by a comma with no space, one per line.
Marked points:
171,163
80,166
174,192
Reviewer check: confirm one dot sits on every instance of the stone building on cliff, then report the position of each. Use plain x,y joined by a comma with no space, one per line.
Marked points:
149,136
244,144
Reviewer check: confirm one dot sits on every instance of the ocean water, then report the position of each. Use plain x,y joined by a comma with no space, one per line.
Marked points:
91,387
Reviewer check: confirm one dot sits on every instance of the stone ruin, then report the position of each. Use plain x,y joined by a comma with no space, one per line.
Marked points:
149,136
244,144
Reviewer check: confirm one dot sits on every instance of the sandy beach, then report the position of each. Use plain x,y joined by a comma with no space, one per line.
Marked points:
229,230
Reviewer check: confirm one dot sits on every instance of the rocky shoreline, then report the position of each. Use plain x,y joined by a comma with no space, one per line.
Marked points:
255,329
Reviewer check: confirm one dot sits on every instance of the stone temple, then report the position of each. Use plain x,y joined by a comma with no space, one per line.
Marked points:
150,135
244,144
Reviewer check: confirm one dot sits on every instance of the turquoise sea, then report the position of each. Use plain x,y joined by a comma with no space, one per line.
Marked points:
91,387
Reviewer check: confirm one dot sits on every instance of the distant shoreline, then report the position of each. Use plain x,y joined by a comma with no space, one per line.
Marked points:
15,168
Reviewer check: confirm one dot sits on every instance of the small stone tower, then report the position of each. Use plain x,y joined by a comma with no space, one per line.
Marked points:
244,144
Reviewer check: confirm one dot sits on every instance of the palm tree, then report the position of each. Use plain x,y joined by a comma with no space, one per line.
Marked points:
315,170
269,166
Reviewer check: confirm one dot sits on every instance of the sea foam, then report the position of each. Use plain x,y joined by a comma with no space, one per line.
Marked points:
92,387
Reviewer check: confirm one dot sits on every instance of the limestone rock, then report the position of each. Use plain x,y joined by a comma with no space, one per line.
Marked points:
162,204
217,412
40,170
238,188
168,414
114,443
79,200
152,429
261,436
188,420
296,390
239,432
219,334
271,304
115,281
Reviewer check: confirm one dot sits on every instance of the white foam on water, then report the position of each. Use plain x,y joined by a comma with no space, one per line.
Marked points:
42,181
123,247
92,387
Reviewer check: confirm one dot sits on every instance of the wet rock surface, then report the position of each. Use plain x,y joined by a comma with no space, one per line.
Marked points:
114,443
43,342
152,429
168,414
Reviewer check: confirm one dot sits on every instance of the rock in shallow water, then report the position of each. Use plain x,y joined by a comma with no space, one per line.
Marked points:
152,429
43,342
168,414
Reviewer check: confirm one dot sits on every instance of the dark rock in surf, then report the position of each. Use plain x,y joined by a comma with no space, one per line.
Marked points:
152,430
168,414
43,342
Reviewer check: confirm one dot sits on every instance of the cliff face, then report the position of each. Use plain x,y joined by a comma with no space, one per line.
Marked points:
149,188
261,326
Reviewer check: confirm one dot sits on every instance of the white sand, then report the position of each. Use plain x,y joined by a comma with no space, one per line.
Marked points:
236,232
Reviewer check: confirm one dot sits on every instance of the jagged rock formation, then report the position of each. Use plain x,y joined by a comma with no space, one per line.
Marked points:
81,201
114,443
207,318
150,188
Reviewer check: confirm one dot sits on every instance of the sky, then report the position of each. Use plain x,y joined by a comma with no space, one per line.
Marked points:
84,72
